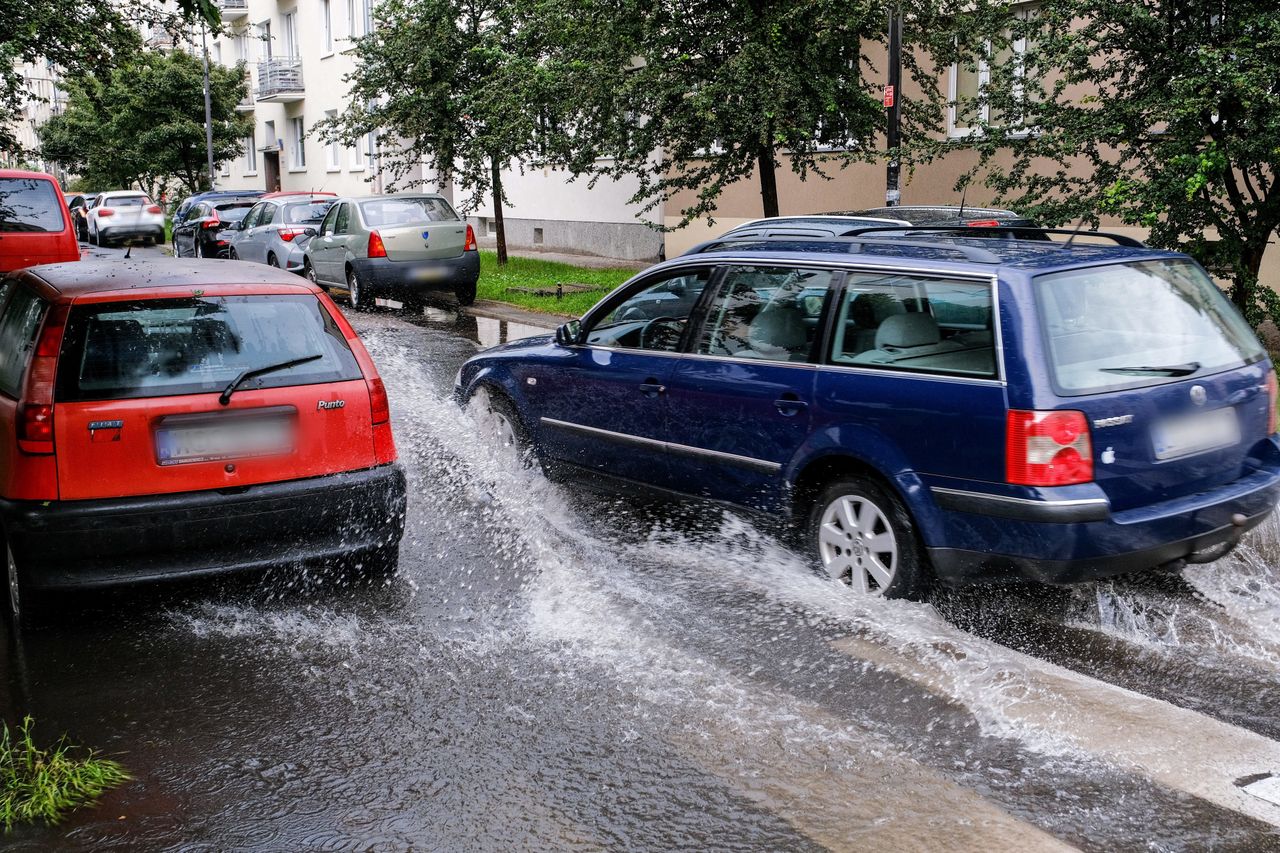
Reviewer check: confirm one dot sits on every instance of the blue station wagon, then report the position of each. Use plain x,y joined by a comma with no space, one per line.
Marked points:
922,408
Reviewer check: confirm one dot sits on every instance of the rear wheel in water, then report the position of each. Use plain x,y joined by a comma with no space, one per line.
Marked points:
862,537
466,293
357,292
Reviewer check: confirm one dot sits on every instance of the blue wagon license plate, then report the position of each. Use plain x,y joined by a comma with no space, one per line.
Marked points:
1198,433
235,439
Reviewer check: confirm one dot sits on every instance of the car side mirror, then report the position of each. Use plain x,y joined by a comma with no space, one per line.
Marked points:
310,232
569,334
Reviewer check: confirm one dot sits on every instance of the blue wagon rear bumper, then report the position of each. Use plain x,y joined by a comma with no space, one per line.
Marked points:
984,540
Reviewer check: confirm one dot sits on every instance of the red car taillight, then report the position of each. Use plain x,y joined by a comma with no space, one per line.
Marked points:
1048,448
287,234
1273,391
106,211
376,249
35,409
155,208
470,244
384,445
211,221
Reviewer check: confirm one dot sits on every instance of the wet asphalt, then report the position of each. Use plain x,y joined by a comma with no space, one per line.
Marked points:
552,669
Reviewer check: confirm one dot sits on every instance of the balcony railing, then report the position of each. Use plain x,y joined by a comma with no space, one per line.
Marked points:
280,80
233,9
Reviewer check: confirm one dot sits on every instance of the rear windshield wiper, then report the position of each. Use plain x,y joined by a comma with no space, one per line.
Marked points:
1165,369
225,397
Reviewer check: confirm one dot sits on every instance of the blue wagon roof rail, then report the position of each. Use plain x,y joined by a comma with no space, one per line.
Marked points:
1013,230
855,244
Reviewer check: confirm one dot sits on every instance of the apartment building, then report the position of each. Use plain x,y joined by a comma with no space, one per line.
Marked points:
45,98
297,53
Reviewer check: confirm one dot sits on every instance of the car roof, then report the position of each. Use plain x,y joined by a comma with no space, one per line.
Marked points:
305,199
942,252
382,196
928,214
288,193
74,278
121,193
23,173
818,219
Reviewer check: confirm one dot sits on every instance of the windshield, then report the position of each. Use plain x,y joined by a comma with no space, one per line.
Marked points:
164,347
126,201
406,211
312,211
29,204
1129,325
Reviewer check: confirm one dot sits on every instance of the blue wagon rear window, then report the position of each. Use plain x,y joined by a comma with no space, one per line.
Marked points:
166,347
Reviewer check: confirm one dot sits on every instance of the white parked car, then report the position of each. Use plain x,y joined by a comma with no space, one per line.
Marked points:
125,215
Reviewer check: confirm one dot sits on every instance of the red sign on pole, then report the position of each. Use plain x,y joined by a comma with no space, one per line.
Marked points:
888,97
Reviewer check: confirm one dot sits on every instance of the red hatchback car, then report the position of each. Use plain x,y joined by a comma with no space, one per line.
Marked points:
177,418
35,227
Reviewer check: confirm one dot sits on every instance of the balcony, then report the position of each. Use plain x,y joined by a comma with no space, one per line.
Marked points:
280,81
246,104
158,38
233,10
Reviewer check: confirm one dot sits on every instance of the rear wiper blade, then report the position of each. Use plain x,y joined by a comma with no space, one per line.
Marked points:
225,397
1166,369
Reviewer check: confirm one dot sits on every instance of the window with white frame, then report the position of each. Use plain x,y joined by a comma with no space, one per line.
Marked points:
333,151
297,144
250,154
240,47
355,18
289,26
969,110
326,15
357,156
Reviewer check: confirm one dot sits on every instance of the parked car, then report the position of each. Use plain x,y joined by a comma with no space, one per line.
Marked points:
205,231
402,247
35,225
274,230
182,211
944,215
184,419
291,193
956,410
811,225
125,215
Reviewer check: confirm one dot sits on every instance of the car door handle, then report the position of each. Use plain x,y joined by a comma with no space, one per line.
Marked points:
652,388
790,405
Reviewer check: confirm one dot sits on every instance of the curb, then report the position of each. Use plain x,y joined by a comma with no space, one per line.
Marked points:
512,314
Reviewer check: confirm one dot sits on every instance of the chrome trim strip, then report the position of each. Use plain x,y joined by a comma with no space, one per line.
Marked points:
1023,509
666,446
939,490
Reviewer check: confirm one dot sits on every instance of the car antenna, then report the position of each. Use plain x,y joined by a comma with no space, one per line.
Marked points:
964,192
1079,225
127,250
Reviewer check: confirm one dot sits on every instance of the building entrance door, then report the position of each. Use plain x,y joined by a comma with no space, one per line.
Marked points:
271,167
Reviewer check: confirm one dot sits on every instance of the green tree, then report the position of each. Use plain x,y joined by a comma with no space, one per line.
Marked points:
144,123
1165,114
445,83
699,94
80,39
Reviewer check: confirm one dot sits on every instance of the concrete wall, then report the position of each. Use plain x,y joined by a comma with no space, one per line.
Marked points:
627,240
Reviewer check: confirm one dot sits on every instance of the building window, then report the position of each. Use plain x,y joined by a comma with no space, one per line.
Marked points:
355,17
333,151
250,154
264,36
968,111
326,14
297,144
289,21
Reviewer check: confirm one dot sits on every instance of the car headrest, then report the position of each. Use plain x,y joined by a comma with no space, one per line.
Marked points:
907,330
777,330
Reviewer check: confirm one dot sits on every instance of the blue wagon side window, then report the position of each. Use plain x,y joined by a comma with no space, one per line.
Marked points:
908,322
767,313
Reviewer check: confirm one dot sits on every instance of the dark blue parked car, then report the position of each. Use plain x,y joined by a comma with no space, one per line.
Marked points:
934,408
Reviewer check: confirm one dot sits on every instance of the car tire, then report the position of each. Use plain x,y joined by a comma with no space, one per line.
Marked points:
861,536
309,272
498,413
466,293
199,250
231,253
271,260
357,292
93,238
13,609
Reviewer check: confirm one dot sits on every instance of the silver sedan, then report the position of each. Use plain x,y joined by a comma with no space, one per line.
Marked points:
275,230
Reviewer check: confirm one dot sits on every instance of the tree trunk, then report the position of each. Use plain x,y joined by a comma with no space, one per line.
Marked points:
768,181
498,224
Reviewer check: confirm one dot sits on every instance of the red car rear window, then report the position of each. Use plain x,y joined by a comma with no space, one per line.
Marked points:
165,347
31,205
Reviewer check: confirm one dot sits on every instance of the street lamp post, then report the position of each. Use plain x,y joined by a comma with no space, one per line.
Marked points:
893,109
208,105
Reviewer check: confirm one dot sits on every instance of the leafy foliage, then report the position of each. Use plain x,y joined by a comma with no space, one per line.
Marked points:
42,784
695,96
1165,114
144,123
80,38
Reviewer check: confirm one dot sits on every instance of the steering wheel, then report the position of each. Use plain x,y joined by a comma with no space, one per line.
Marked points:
644,330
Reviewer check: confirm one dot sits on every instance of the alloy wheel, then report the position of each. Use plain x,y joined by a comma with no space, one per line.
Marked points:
310,272
857,544
353,291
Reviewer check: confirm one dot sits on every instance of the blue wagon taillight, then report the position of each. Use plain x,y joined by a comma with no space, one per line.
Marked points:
1048,448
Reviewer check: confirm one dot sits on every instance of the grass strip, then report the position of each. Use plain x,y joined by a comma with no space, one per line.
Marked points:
497,283
44,784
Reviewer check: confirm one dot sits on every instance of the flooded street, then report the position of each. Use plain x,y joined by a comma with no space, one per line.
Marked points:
553,669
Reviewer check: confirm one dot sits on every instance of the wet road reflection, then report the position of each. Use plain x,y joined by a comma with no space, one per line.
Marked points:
554,669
